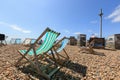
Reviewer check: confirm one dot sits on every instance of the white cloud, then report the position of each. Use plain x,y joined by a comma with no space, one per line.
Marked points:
15,27
117,19
77,33
67,31
94,22
115,15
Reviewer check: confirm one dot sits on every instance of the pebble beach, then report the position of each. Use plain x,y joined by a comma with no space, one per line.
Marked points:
102,65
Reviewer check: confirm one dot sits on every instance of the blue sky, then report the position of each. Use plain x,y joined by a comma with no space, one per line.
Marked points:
29,18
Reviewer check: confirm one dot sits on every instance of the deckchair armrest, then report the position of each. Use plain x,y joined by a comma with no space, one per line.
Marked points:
60,41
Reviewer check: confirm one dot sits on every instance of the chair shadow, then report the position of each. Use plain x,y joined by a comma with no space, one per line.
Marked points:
81,69
110,49
95,53
59,75
30,72
98,53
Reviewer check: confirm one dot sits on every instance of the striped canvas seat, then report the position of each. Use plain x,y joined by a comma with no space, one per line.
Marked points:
47,44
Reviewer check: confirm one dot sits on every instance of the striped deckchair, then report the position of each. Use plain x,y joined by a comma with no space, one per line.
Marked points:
50,38
58,48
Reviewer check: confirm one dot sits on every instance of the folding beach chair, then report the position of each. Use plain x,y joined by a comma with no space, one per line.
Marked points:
58,48
50,38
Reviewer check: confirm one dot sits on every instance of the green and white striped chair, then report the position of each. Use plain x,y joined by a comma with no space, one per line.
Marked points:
50,38
58,48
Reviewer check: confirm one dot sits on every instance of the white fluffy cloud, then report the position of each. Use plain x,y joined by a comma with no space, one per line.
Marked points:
15,27
115,15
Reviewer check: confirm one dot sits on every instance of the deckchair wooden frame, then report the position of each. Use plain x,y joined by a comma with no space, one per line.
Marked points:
59,56
67,57
36,64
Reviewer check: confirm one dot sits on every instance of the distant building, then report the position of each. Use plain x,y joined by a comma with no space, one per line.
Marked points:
97,42
113,41
81,39
73,40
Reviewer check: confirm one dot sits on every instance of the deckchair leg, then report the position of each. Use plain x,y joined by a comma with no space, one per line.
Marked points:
63,56
37,65
23,56
56,52
66,53
17,64
53,56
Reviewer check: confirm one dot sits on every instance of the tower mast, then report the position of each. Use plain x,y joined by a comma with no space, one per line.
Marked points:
101,14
